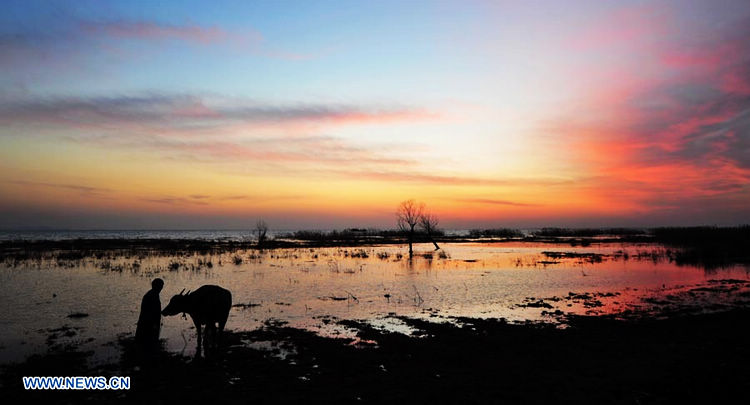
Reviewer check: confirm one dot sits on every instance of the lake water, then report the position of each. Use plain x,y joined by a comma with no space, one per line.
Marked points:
310,288
235,235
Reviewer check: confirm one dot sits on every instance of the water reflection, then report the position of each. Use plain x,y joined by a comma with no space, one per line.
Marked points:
304,287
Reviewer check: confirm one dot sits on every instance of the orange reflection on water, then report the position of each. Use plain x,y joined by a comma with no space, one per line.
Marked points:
312,288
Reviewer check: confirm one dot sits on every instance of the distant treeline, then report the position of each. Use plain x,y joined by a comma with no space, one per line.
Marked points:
352,234
588,232
672,235
358,234
509,233
496,233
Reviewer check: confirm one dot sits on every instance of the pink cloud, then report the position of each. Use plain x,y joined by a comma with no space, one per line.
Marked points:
736,81
245,40
155,31
196,110
627,26
670,125
391,175
178,112
233,134
322,152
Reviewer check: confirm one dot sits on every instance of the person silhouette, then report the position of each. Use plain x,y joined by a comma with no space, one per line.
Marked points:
149,321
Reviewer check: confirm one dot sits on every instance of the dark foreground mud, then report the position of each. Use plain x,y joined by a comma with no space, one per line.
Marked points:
701,358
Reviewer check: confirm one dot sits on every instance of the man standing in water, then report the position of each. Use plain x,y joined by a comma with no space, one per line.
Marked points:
149,322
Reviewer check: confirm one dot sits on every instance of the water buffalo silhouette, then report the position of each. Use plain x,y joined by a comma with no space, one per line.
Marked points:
209,305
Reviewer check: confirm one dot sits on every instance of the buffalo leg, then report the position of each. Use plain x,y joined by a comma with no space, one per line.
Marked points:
210,340
198,330
222,323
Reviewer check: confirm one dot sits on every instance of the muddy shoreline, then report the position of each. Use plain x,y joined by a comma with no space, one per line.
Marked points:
682,359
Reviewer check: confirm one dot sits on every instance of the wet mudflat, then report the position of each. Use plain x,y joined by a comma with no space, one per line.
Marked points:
522,322
682,359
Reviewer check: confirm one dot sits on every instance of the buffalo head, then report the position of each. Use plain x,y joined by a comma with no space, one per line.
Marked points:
177,304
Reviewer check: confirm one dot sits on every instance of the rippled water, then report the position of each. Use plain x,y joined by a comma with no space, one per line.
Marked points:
309,287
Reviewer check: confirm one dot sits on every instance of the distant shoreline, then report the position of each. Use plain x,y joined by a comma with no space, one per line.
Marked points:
706,246
244,234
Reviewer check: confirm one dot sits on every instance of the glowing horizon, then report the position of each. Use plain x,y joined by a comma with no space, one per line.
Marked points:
328,114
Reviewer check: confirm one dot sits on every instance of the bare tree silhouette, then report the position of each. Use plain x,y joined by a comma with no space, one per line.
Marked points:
261,228
429,222
408,214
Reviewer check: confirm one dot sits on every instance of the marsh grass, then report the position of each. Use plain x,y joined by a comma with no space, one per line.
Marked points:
711,247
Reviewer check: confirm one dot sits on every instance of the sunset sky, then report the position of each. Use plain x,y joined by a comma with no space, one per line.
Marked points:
193,115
